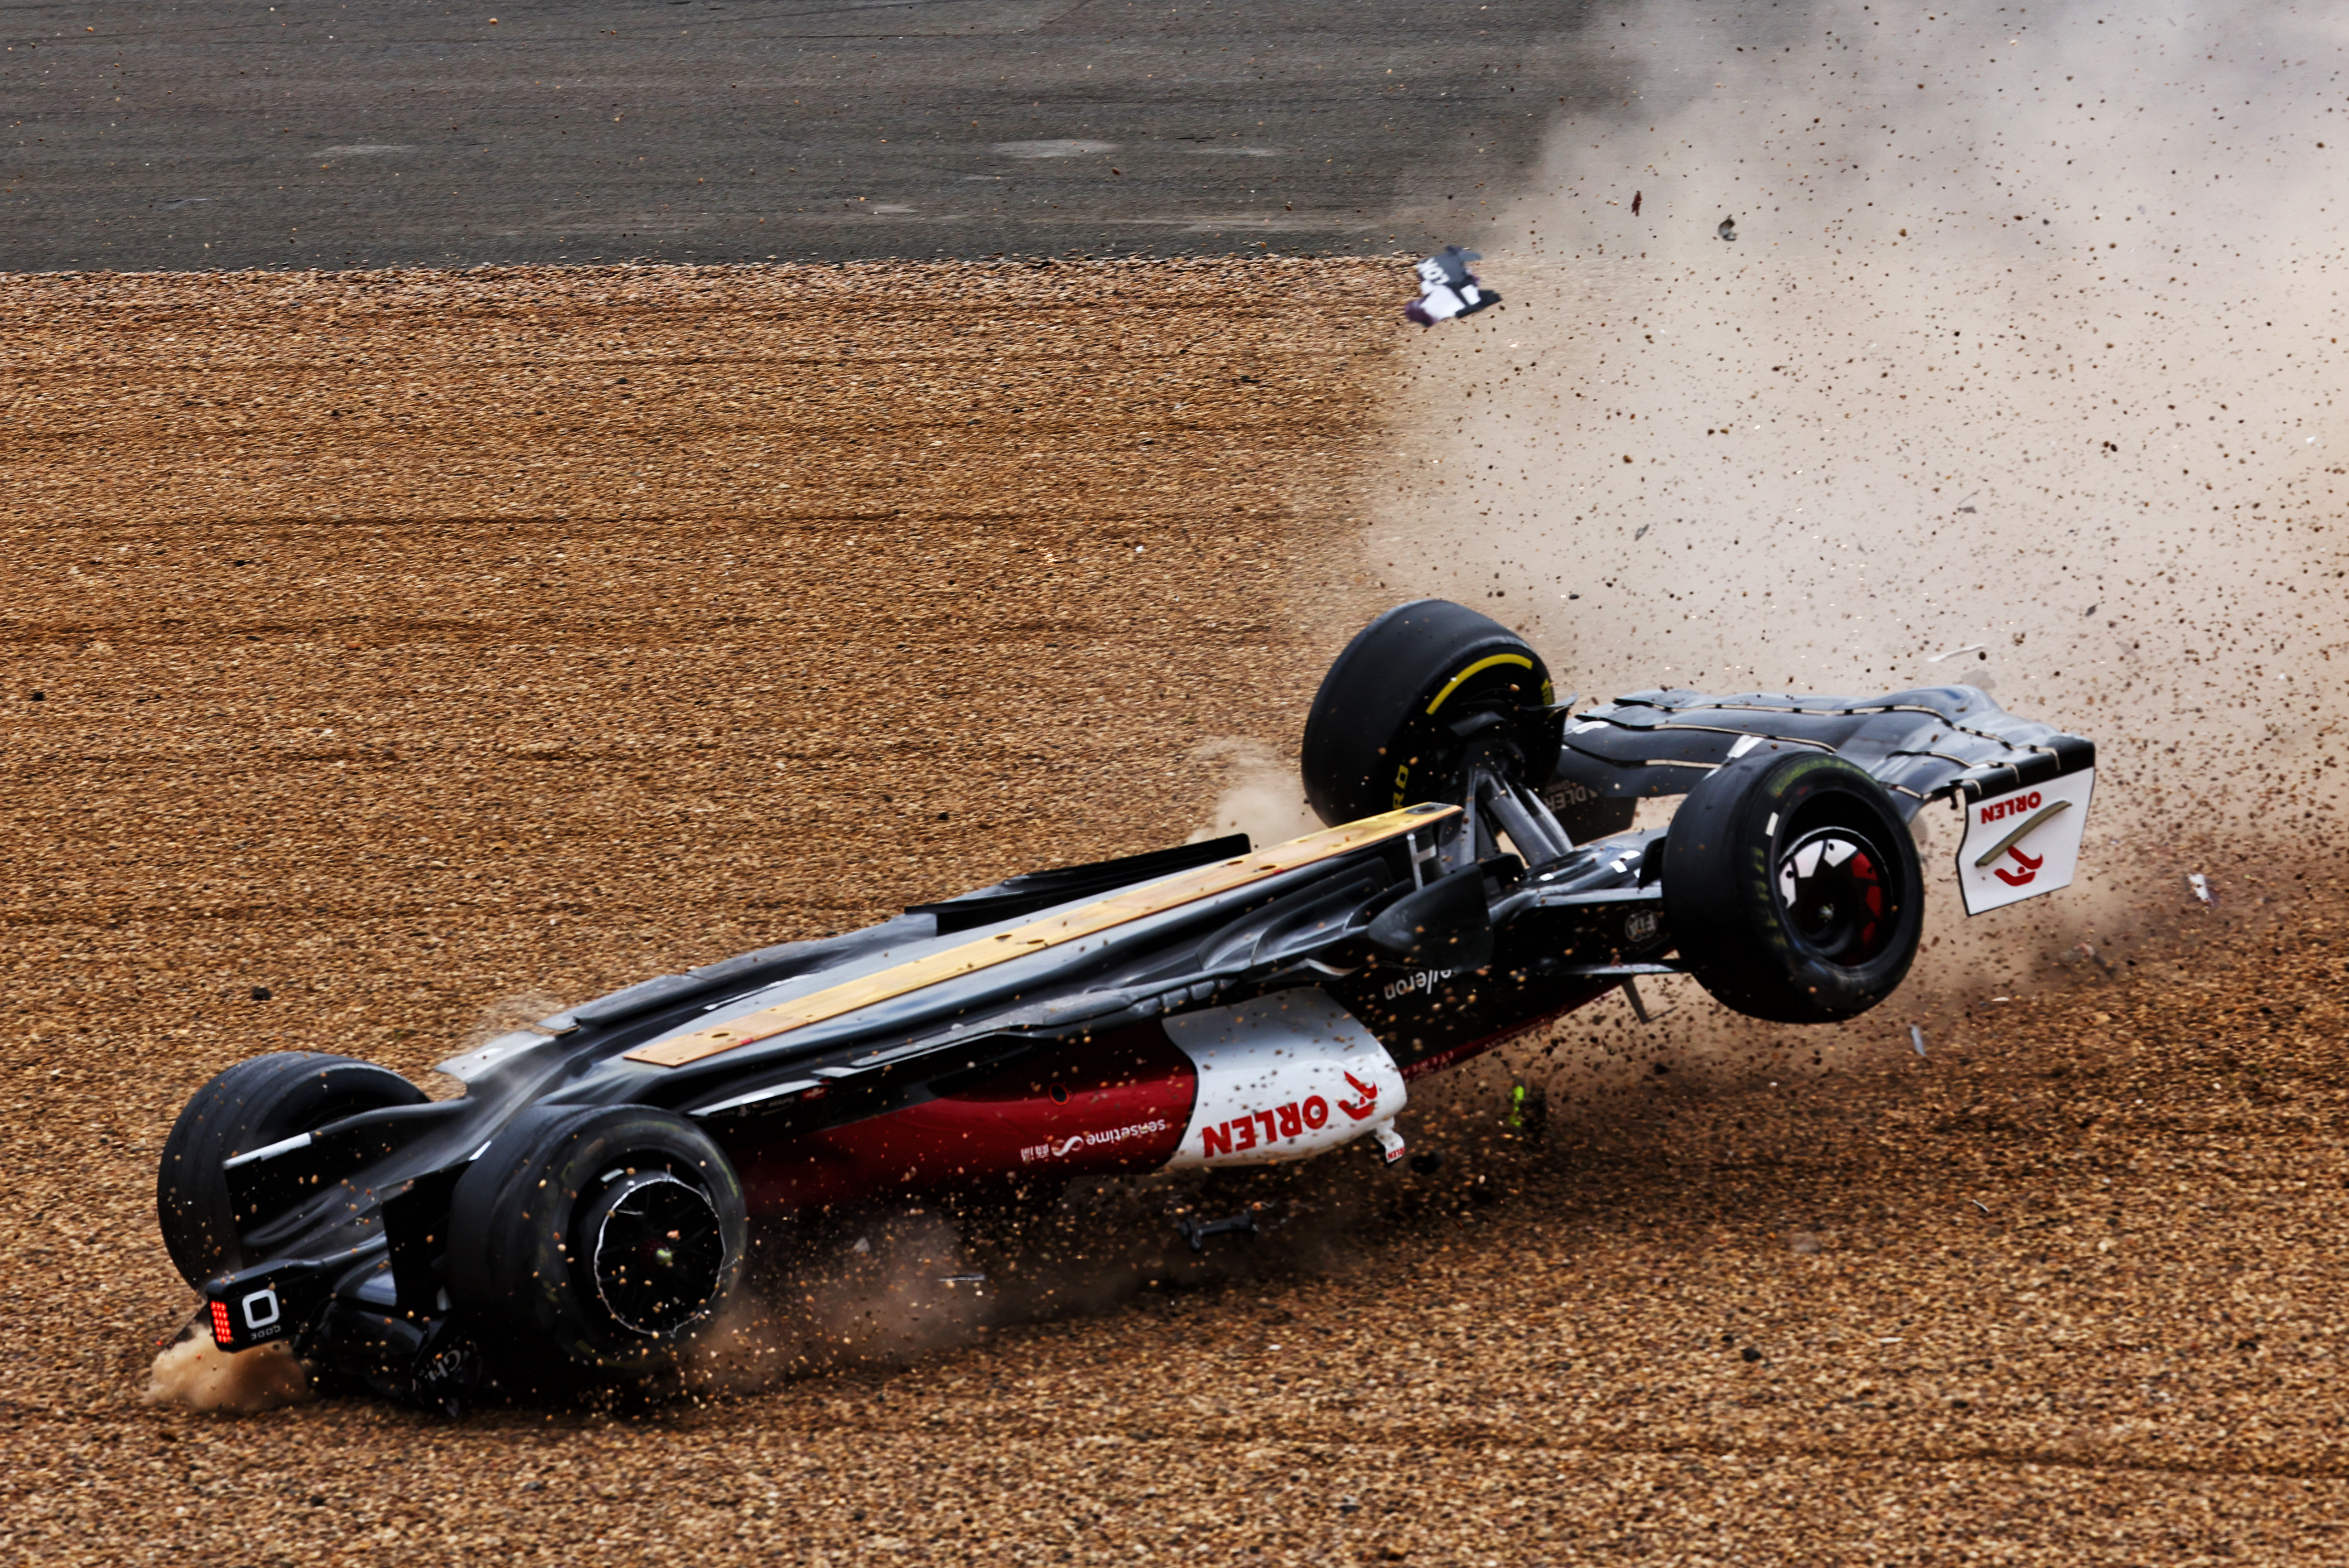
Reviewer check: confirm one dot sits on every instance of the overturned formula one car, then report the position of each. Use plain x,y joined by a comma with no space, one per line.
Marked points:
581,1212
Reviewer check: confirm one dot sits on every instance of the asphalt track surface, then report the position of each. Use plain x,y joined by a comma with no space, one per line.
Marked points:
144,137
429,651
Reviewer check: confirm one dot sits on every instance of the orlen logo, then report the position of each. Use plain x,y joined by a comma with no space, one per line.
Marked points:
2012,805
1566,793
1417,980
2030,865
1239,1135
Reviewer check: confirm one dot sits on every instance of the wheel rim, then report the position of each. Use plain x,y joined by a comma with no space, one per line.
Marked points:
659,1252
1835,890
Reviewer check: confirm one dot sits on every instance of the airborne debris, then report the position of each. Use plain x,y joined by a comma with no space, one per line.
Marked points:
1917,1040
1528,1112
1953,652
1641,532
1447,288
1196,1232
2203,889
1635,203
1728,230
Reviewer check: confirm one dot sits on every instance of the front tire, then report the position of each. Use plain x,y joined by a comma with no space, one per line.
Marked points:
1386,728
1792,887
253,1105
595,1243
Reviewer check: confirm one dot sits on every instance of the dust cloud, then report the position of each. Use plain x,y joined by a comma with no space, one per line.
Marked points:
195,1373
2026,346
886,1291
887,1286
1263,795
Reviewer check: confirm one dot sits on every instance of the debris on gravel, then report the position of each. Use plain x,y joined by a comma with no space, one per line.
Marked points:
424,649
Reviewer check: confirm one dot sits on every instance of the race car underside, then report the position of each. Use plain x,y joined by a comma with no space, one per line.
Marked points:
583,1206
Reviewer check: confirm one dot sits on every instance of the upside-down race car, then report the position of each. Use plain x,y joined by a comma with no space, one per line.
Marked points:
582,1211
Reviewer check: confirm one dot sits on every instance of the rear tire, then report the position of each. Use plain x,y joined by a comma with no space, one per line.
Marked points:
1383,730
1792,887
593,1244
253,1105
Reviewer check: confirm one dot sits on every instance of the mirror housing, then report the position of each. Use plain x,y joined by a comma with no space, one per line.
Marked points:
1444,925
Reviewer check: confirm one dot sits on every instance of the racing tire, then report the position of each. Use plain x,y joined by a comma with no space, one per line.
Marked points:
1792,887
1385,731
251,1106
592,1244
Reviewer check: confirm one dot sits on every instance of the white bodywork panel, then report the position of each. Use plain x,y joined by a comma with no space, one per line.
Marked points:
2045,824
1282,1077
1444,302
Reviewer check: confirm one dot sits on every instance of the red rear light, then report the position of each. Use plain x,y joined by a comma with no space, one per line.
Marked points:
222,1334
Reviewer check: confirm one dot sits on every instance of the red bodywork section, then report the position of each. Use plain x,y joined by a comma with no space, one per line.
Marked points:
1118,1102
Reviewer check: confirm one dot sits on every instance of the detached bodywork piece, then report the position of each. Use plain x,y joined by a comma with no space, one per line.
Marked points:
1447,288
582,1211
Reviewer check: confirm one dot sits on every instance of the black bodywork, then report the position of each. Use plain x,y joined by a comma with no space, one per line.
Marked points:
357,1208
